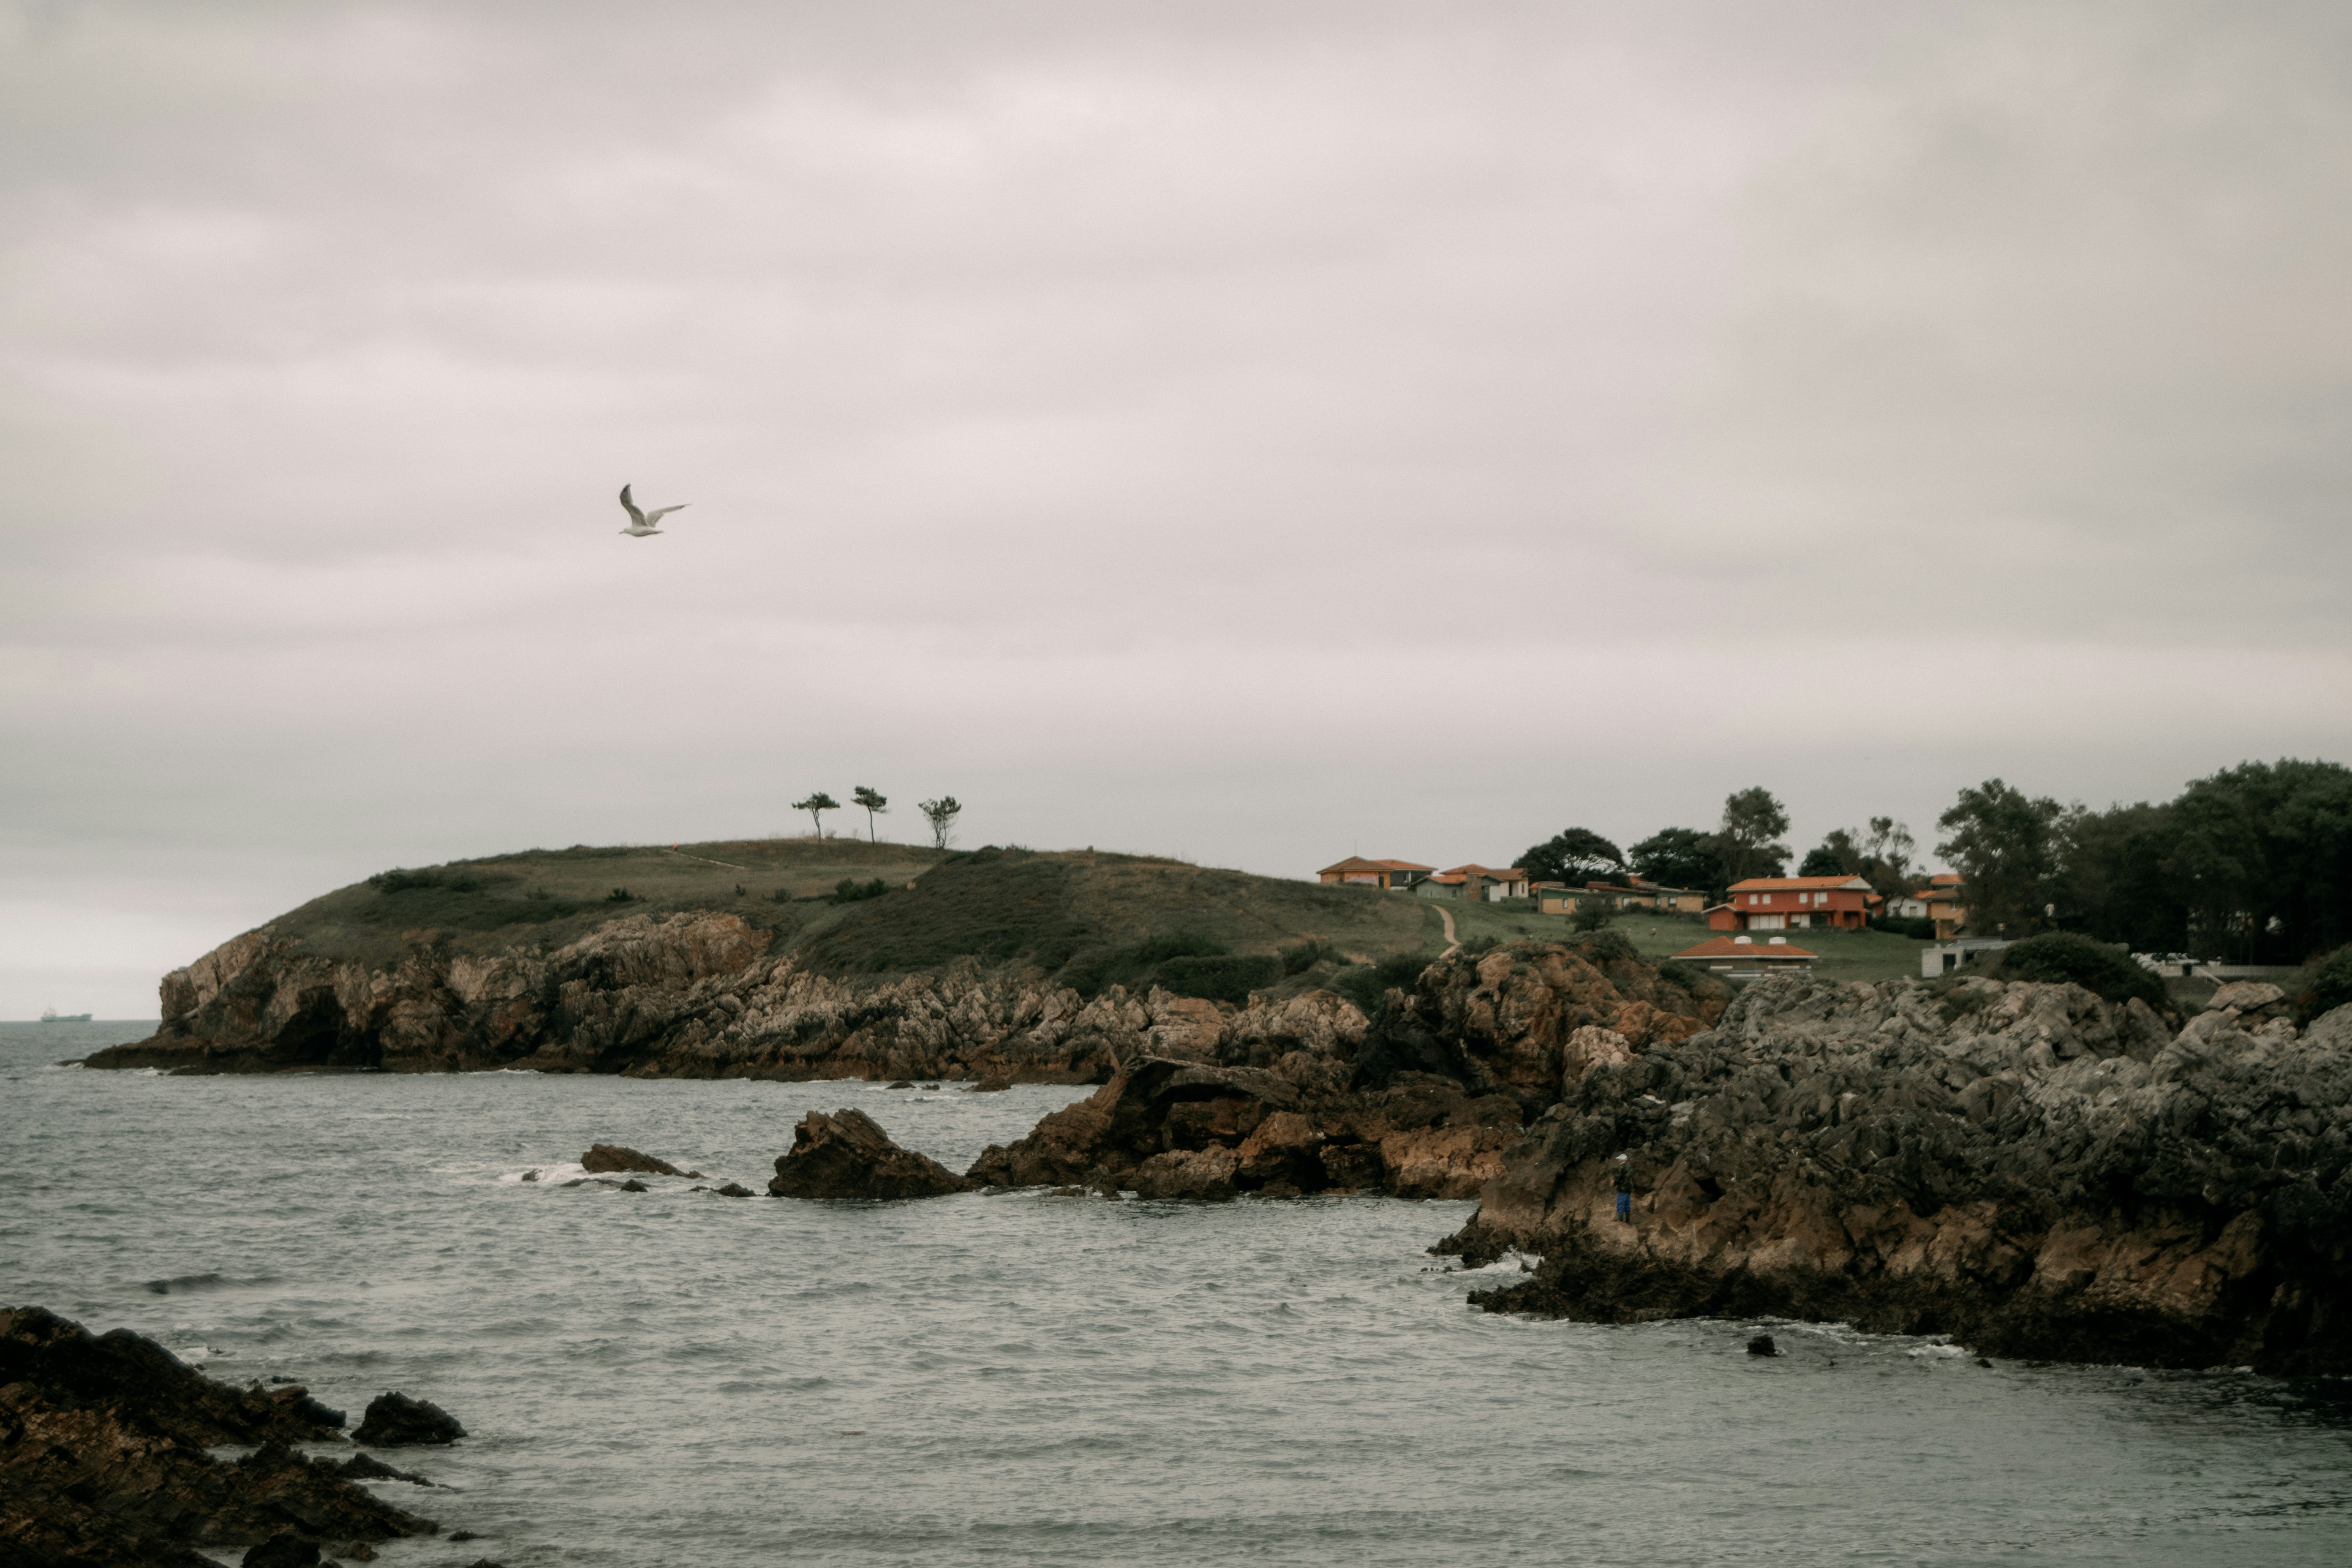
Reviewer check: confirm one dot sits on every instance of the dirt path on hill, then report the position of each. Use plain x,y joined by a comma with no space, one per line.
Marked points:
707,859
1452,941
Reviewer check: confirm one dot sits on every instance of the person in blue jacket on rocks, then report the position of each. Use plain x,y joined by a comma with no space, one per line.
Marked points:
1625,1189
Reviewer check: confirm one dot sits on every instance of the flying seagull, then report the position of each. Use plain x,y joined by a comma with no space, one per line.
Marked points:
641,523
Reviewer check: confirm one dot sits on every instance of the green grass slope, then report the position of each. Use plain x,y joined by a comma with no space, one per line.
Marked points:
1088,919
1871,955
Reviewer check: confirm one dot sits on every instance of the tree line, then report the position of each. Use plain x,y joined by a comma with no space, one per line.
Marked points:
939,814
2254,864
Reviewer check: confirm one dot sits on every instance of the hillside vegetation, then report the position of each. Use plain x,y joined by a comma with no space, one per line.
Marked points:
1088,919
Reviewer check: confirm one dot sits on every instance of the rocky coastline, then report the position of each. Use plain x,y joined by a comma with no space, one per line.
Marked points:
2027,1168
686,996
2024,1167
103,1460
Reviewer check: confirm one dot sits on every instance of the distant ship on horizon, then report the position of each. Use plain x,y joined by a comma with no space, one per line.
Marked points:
51,1015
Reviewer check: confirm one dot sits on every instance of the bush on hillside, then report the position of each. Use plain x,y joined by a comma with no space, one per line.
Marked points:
1228,978
1367,984
2059,956
1601,946
2331,986
1589,917
1137,967
849,891
1306,954
1897,925
402,881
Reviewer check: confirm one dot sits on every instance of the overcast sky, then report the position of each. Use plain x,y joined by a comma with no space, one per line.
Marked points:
1255,432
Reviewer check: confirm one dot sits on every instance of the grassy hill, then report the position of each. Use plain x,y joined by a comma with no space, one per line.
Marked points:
1089,919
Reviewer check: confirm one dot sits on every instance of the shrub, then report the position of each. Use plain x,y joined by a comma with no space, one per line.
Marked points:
1589,917
1479,946
1228,978
619,896
1916,929
401,881
1402,968
2062,955
1601,946
1298,960
2331,986
1136,967
849,891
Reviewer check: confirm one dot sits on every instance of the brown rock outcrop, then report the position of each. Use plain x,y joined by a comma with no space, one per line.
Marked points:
2024,1167
102,1459
847,1155
606,1159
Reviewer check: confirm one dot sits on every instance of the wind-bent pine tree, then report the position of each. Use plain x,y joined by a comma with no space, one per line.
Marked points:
819,802
941,814
875,803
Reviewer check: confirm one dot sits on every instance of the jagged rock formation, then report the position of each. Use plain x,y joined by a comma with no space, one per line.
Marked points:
1423,1106
2031,1168
847,1155
605,1159
102,1459
691,996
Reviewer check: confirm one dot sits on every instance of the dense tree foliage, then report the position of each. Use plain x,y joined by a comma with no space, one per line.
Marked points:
2006,844
1574,856
1747,840
1679,857
2254,864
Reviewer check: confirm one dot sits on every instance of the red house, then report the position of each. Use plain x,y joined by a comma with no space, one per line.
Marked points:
1358,872
1794,904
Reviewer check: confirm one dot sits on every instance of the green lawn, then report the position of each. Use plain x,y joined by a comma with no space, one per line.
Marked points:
1843,954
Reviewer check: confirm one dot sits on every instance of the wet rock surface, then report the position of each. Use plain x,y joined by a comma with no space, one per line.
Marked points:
102,1459
1421,1103
2037,1172
608,1159
847,1155
395,1420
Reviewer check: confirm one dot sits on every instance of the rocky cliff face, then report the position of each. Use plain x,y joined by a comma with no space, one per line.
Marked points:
2024,1167
1421,1105
699,996
686,997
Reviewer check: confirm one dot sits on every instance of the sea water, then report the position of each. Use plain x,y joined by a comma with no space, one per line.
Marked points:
678,1378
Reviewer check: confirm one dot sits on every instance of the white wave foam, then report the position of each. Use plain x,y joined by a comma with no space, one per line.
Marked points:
546,1175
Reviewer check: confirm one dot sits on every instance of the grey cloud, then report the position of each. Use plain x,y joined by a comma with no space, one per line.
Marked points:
1226,429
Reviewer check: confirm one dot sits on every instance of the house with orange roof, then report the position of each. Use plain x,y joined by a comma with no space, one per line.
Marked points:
1480,884
1946,899
1794,904
1358,872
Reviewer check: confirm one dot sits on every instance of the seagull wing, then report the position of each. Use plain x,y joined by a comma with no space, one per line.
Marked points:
635,517
664,511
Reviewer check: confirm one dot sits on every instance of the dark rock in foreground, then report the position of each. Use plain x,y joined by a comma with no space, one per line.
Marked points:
2032,1169
610,1159
394,1419
286,1551
847,1155
102,1459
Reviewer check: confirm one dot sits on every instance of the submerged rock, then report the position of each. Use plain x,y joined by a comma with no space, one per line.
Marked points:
393,1420
366,1468
847,1155
1762,1346
103,1461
